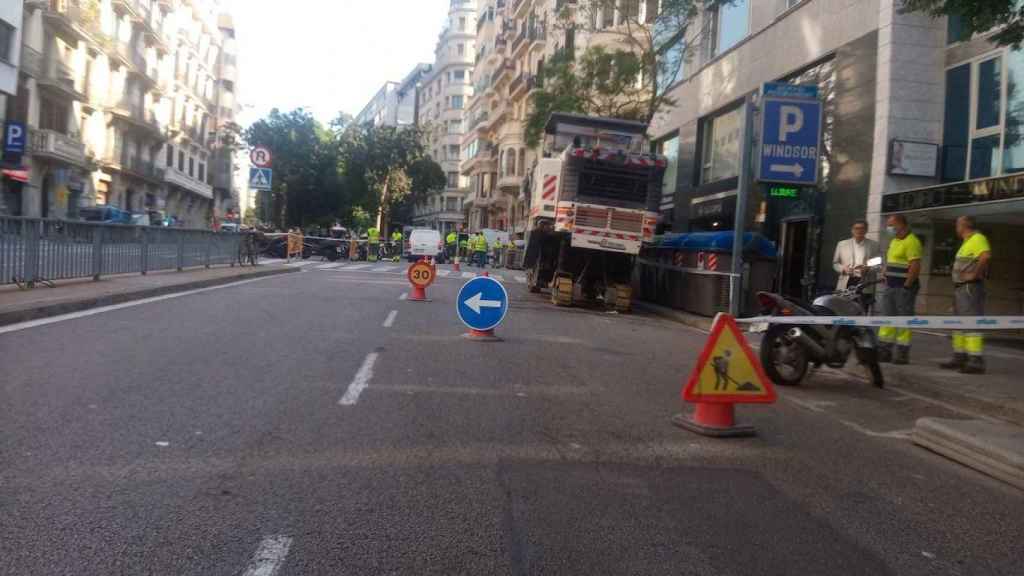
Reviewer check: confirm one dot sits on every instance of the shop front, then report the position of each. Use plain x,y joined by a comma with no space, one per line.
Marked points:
998,206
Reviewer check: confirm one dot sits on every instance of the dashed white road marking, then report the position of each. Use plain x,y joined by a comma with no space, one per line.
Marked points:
443,273
269,557
328,266
383,269
390,320
521,279
360,382
111,308
468,275
357,266
404,296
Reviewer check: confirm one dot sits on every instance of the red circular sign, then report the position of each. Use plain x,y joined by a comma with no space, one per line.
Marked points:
421,274
260,157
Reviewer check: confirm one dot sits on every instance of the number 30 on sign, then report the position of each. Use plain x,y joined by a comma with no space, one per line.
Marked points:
421,274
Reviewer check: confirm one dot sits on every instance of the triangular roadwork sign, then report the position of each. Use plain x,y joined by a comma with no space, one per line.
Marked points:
728,371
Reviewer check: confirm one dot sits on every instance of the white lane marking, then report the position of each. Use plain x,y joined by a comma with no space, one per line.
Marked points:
357,266
521,279
468,275
942,404
383,269
111,308
360,382
269,556
900,434
163,444
404,296
812,405
298,264
390,320
498,277
328,267
443,273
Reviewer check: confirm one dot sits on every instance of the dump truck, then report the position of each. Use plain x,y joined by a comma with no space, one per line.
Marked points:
593,201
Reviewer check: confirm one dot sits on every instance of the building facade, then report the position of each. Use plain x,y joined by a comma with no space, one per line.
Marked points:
395,103
10,48
443,97
125,103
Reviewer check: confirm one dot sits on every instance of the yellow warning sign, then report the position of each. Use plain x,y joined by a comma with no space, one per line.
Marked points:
728,371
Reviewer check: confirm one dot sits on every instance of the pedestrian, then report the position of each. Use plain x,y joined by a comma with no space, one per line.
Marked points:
480,250
852,255
372,244
970,268
902,273
451,243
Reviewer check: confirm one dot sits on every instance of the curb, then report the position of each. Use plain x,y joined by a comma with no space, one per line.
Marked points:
691,320
993,448
58,309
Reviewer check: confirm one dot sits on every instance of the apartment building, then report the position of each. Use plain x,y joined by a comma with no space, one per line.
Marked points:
443,96
395,104
10,47
919,120
124,100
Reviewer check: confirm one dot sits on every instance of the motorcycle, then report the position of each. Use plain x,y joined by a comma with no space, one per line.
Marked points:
787,351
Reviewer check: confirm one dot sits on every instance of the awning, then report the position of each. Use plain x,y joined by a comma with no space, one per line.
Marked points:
16,175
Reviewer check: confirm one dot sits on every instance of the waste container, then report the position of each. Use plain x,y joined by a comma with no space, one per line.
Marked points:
707,290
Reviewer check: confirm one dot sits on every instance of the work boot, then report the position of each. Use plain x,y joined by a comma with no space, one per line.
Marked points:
902,356
974,365
885,354
957,362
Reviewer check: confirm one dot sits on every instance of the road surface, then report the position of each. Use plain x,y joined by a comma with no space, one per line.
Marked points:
319,423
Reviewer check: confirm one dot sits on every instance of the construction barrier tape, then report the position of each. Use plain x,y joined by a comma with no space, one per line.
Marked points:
972,323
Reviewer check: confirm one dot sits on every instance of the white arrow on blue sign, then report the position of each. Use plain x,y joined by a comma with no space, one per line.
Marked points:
261,178
790,140
482,303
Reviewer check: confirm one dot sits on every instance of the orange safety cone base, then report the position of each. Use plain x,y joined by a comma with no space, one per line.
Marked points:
715,420
418,295
481,336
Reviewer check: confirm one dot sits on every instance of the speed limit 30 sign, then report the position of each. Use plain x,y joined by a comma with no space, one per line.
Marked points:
421,275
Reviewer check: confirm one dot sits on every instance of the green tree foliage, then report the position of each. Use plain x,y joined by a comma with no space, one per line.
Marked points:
978,16
629,73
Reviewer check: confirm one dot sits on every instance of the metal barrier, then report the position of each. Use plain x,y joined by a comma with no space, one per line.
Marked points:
34,250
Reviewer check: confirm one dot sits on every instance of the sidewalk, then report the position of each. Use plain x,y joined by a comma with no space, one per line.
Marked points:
75,295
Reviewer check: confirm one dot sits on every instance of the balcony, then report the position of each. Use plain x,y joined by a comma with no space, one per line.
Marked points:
181,180
503,73
58,79
56,146
144,169
530,36
519,7
563,4
65,15
137,116
510,183
523,85
31,62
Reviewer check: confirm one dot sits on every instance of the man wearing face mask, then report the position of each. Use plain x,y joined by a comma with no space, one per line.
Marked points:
902,271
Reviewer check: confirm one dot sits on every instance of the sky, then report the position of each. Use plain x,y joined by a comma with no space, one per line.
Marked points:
328,55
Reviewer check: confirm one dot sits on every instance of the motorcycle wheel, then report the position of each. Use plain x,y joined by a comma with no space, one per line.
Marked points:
785,362
869,357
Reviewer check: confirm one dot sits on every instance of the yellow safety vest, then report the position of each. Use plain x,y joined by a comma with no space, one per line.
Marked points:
902,251
968,255
373,234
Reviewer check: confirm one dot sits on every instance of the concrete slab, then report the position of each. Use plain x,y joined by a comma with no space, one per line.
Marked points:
993,448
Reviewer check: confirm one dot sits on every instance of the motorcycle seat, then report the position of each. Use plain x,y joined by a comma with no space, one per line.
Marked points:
822,311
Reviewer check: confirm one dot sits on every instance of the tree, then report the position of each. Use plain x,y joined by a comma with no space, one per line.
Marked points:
978,16
629,72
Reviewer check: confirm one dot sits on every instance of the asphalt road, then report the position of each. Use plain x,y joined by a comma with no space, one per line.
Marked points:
204,434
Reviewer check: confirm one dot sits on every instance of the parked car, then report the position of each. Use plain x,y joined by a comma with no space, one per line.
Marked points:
105,215
425,242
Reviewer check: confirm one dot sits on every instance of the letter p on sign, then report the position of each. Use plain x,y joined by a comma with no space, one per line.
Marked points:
791,121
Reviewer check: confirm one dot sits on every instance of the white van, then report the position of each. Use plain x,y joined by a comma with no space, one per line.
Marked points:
425,242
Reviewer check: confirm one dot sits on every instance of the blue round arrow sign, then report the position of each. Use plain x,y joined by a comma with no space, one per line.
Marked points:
482,303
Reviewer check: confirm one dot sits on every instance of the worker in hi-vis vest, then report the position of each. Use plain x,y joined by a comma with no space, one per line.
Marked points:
451,244
970,268
372,244
902,273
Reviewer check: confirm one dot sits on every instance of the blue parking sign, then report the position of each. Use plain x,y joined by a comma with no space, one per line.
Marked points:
15,138
790,141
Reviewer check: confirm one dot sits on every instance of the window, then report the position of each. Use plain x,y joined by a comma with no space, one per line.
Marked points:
669,148
651,13
462,23
459,76
461,49
720,147
54,115
170,156
202,172
731,24
792,3
453,179
6,40
191,166
453,151
457,102
181,161
629,9
454,127
1013,136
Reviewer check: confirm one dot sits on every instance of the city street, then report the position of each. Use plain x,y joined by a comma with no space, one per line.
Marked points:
321,423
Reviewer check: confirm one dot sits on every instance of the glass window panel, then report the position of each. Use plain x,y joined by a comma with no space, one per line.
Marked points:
985,156
733,24
670,149
990,83
725,147
956,126
1013,136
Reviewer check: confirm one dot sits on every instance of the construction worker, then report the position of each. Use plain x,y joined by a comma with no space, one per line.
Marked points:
372,244
451,243
970,269
902,271
464,247
480,249
396,245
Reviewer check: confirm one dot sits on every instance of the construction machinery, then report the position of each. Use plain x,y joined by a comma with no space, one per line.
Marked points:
593,203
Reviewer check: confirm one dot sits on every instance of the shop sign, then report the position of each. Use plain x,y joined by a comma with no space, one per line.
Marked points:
1001,188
